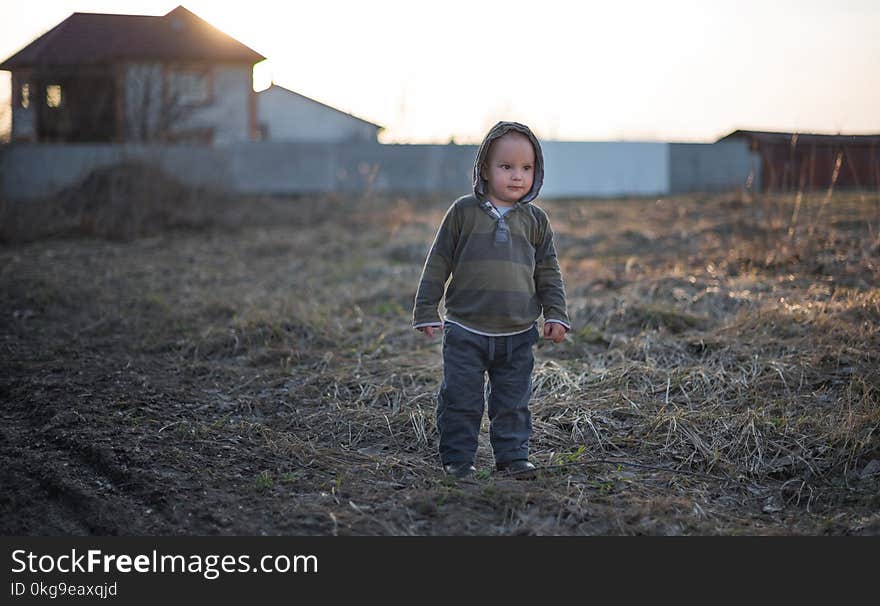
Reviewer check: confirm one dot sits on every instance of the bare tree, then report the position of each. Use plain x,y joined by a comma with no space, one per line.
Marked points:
156,106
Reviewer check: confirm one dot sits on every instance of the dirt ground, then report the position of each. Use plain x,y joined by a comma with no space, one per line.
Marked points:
261,378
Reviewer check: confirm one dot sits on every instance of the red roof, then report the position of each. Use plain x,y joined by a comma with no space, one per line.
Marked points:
85,38
802,138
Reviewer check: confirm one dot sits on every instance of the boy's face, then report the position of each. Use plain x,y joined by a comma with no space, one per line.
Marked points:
509,169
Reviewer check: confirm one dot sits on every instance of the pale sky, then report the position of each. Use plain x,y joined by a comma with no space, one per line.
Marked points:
664,70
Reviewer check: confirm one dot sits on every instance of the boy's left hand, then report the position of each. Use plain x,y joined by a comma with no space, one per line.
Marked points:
554,331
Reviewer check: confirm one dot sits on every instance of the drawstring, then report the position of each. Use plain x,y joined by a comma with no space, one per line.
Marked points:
502,231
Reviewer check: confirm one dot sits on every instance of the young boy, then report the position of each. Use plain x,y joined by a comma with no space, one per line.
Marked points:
498,249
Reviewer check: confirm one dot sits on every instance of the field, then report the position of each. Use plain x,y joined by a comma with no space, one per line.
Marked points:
256,373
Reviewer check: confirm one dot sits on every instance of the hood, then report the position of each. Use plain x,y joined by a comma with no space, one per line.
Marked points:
502,128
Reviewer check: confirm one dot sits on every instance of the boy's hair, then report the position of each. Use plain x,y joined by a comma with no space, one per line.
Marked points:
510,133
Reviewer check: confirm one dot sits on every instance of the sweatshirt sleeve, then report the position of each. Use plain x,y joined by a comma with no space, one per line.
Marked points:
548,281
437,268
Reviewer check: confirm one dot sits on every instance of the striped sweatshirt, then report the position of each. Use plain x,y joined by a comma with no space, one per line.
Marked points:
493,285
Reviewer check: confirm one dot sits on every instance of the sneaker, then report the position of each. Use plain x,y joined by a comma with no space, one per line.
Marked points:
459,470
520,468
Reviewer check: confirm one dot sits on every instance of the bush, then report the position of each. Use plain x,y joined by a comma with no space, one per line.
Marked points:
119,203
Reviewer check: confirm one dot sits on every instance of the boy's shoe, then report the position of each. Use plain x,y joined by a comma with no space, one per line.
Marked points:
520,468
459,470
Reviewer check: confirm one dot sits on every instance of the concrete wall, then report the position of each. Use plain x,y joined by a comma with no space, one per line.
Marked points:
289,116
272,167
711,166
36,170
604,168
572,169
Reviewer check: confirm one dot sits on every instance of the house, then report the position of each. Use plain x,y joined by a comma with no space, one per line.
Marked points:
124,78
285,115
798,161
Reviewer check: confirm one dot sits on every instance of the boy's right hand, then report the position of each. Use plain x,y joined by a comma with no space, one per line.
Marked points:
428,330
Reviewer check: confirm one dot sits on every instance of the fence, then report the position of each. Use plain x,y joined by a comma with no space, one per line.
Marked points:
573,169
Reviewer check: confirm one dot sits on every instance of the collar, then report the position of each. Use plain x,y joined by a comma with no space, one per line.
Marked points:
493,212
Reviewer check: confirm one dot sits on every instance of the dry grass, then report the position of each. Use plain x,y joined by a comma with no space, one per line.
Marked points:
721,377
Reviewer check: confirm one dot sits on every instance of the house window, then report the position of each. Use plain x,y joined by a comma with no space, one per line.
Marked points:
25,95
189,87
53,96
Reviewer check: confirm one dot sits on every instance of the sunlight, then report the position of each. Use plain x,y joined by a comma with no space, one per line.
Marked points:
262,75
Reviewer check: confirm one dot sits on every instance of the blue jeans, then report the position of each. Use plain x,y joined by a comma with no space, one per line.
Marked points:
467,359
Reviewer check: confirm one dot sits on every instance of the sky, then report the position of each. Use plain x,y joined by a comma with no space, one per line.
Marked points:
635,70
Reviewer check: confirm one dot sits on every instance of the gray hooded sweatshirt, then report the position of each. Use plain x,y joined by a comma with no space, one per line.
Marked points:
502,273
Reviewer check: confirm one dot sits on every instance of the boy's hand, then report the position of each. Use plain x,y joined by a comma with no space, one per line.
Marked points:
428,330
554,331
